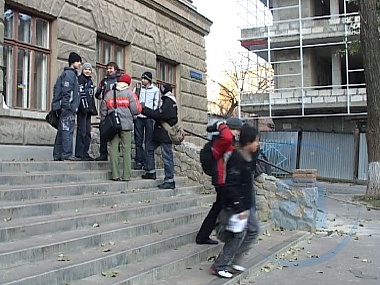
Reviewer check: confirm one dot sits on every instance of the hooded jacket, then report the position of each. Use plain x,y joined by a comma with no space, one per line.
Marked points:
168,112
127,105
66,95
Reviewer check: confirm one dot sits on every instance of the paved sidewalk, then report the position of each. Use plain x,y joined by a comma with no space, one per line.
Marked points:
346,251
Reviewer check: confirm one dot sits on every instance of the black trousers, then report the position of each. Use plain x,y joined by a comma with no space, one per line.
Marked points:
209,222
83,139
103,145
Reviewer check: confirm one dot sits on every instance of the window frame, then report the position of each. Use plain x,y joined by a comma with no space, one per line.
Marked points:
101,67
167,67
31,47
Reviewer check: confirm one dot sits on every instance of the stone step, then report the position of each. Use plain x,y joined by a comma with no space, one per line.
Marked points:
91,261
52,205
44,246
188,263
34,178
52,190
41,166
79,218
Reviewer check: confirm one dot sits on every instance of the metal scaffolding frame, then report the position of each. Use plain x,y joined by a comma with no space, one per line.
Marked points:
260,14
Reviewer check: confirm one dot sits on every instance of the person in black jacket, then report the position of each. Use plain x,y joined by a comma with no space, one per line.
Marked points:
66,103
85,110
167,112
237,223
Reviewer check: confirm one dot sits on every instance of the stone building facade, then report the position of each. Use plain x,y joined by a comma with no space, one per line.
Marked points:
165,37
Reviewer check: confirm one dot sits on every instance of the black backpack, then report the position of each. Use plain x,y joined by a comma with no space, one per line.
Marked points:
208,162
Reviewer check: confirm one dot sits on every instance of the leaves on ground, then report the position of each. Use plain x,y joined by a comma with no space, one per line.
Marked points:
62,257
110,273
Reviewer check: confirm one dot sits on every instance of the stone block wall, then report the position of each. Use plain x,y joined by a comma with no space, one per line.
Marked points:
149,29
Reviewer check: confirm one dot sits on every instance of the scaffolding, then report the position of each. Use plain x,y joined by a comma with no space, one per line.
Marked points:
306,46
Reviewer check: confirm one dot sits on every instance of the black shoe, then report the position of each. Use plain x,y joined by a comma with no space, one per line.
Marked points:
102,157
72,158
58,159
116,179
206,241
87,158
167,185
149,176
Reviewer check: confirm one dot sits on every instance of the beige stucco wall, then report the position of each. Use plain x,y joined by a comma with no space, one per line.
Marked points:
167,29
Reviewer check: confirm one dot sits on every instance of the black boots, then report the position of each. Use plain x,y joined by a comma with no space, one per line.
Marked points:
167,185
149,176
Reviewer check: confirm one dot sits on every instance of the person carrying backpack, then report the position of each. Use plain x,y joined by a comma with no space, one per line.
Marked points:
222,147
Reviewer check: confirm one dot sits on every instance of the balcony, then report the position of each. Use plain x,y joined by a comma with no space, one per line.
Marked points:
315,30
314,102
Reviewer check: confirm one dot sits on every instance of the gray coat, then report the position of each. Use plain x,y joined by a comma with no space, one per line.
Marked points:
127,105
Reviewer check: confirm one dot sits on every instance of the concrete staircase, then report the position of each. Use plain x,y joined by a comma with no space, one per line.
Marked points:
66,223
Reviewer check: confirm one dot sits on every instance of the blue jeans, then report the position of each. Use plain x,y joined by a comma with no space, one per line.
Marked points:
167,157
143,128
238,244
63,145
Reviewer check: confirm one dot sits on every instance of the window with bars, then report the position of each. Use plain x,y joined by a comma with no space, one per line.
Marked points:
107,51
166,74
26,58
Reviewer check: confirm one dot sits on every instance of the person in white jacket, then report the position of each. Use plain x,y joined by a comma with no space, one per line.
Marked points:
143,126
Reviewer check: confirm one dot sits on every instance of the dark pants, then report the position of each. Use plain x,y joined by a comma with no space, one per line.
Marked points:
83,140
103,145
209,222
143,128
167,157
63,145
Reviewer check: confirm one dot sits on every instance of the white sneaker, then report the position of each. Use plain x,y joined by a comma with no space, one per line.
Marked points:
238,268
224,274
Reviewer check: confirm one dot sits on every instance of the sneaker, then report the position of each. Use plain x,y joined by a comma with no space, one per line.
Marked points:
72,158
102,157
167,185
220,273
238,268
149,175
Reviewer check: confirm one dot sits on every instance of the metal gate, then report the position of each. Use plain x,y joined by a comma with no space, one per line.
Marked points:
331,154
280,148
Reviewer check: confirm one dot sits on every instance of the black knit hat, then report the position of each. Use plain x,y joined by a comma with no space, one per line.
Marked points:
166,88
74,57
234,123
147,75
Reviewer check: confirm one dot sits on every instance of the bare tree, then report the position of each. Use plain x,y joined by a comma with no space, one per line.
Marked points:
248,78
370,47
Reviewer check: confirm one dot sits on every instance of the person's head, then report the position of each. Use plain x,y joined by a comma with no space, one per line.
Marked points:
125,78
112,68
166,88
146,78
234,125
249,139
75,61
87,69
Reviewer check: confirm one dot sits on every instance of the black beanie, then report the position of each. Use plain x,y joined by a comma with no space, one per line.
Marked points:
147,75
166,88
74,57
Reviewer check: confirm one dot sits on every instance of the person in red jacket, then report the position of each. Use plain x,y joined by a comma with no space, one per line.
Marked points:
222,148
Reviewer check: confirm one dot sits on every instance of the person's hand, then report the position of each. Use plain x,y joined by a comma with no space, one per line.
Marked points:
215,126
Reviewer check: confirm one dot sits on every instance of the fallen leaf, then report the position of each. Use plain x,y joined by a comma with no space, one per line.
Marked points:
7,219
110,273
62,257
95,225
106,250
319,271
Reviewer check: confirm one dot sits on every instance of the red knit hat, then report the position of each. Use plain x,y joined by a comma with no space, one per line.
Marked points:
125,78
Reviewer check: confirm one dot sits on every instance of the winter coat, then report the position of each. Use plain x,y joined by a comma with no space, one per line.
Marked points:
238,194
222,148
86,94
150,97
127,105
168,112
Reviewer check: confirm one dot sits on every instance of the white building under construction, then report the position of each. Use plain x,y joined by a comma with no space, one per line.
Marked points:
318,84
